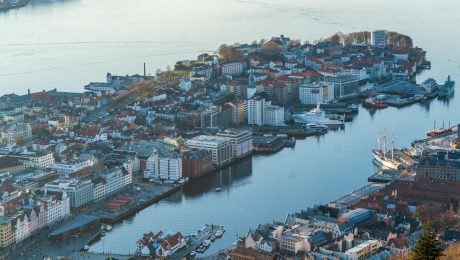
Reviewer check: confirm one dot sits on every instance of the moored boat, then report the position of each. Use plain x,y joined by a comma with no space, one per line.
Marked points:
447,89
374,101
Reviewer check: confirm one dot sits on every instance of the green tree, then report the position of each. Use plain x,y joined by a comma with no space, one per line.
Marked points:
427,247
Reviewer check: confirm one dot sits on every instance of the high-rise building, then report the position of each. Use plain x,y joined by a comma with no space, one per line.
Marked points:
167,166
379,38
256,108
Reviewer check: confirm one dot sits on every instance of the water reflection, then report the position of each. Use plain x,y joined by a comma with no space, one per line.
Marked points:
224,179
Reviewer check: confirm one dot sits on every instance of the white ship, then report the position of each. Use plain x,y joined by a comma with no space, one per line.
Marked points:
316,116
385,157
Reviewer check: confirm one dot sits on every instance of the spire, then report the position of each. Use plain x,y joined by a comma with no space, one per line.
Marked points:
252,81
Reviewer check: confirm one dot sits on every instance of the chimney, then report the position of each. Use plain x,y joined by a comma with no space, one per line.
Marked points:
28,91
145,72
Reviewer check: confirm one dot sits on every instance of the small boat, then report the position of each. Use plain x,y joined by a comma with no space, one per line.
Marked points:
316,126
108,228
86,247
212,238
103,233
206,243
218,189
219,233
200,249
192,254
374,101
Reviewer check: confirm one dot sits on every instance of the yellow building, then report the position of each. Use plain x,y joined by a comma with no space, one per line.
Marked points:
7,235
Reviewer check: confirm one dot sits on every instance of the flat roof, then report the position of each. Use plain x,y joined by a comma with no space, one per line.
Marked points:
74,224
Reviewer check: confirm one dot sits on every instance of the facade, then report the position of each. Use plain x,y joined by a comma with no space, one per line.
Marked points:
7,234
19,132
164,167
210,118
273,115
220,147
316,93
196,163
256,109
114,180
232,68
39,160
439,167
363,250
293,243
239,112
57,209
80,192
67,168
379,38
11,165
241,141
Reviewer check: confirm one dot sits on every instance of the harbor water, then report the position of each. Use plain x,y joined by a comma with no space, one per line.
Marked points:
66,44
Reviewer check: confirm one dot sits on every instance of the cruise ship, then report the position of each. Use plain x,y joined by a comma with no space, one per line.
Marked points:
317,116
385,157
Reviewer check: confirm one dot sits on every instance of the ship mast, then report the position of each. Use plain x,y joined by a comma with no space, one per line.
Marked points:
378,142
392,144
385,143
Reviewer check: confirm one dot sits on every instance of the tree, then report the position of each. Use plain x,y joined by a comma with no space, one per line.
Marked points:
427,246
230,53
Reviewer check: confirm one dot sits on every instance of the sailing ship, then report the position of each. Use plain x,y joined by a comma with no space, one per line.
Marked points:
383,156
439,131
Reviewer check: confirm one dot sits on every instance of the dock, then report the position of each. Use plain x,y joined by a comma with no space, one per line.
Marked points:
192,244
142,201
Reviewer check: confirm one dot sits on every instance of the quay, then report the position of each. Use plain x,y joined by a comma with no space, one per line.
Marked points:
194,243
141,201
292,131
355,196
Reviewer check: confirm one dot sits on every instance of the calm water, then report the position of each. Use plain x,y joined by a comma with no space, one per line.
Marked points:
66,44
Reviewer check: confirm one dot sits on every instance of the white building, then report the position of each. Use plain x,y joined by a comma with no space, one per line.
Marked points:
164,167
256,108
185,84
241,141
22,227
220,147
39,160
67,168
19,132
56,209
232,68
132,165
274,116
316,93
363,250
114,180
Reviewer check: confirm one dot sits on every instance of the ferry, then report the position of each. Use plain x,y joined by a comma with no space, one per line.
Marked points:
447,89
381,155
374,101
317,116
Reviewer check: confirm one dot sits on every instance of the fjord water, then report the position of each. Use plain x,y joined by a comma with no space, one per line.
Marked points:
66,44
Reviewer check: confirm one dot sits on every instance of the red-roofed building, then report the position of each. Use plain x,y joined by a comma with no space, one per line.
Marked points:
171,244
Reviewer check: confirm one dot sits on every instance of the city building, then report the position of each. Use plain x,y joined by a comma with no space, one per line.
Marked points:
11,165
240,140
273,115
379,38
167,166
7,234
39,160
80,192
195,163
65,168
210,118
57,208
232,68
220,147
442,166
363,250
316,93
19,133
256,109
